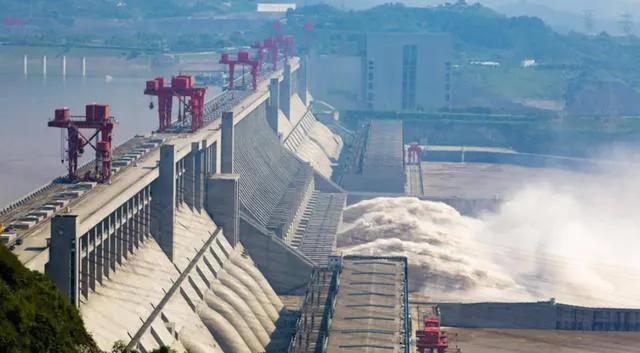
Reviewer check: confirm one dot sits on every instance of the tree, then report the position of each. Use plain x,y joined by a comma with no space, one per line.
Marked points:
34,316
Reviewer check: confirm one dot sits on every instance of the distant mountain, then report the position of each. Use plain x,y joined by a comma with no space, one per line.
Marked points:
566,20
119,8
562,15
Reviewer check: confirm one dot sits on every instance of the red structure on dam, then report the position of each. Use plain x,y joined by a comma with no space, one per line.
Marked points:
97,119
190,97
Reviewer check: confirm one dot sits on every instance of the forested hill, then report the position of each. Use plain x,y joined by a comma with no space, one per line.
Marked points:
480,32
34,316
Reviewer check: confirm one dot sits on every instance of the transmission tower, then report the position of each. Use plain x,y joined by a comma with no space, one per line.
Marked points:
626,23
589,22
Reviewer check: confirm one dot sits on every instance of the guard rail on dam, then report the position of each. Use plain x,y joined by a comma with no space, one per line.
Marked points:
540,315
461,154
188,246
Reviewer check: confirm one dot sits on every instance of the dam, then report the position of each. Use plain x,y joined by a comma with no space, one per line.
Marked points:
224,239
197,234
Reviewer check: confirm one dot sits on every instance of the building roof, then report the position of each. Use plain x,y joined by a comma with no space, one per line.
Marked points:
371,313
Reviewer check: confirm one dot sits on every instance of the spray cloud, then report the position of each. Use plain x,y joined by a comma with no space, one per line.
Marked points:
574,240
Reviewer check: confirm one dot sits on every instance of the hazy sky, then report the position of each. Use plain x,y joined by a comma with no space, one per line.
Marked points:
562,15
602,8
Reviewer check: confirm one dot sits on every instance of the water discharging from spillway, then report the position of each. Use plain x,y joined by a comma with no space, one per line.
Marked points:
240,309
576,242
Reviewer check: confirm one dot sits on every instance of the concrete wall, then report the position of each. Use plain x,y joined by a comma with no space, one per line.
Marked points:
521,159
541,315
499,315
337,80
285,268
385,52
370,76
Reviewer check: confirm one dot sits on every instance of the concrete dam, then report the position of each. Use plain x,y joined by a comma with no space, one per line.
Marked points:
225,239
197,234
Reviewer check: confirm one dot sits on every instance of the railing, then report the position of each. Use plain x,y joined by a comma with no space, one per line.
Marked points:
302,332
328,313
39,191
28,197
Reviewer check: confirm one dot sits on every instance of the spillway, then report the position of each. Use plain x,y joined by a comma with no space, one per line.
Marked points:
249,299
246,264
312,141
223,331
237,321
238,304
192,341
225,304
254,289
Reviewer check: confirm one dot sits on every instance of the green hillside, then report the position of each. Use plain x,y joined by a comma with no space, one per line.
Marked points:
34,316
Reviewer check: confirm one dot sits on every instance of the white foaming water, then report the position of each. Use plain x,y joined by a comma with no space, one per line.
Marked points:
438,241
576,242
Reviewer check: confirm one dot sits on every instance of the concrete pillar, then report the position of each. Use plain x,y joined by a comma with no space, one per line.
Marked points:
64,66
92,259
84,267
84,66
99,259
303,80
274,104
227,142
103,258
44,65
147,220
106,257
137,225
131,231
198,175
285,92
215,158
223,204
126,231
164,200
205,157
25,65
189,177
63,256
113,253
120,236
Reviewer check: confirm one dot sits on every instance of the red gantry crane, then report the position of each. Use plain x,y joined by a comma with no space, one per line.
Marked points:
287,45
431,339
270,45
414,151
182,87
97,118
260,51
241,59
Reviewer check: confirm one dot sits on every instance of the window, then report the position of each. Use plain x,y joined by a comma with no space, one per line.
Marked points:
409,69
